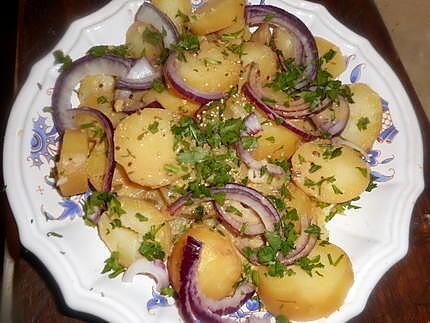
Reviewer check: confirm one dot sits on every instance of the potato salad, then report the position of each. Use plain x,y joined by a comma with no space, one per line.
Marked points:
215,143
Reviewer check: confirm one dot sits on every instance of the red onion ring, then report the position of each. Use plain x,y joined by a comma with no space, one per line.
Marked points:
252,125
155,268
252,91
108,128
194,306
237,223
334,120
303,253
248,196
152,15
69,78
176,81
257,14
256,165
140,77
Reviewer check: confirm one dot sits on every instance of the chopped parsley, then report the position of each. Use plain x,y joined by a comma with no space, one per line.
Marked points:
150,248
232,209
103,201
282,319
336,262
112,264
141,217
153,36
102,99
362,123
54,234
340,208
184,18
372,185
314,167
167,291
336,190
64,60
210,61
330,152
268,18
314,230
153,127
187,42
101,50
158,86
249,142
270,139
309,264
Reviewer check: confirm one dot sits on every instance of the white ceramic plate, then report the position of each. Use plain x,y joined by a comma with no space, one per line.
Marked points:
375,236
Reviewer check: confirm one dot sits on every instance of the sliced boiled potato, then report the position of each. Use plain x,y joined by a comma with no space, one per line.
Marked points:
215,15
96,165
284,42
263,56
303,297
141,215
219,268
330,173
175,9
365,118
276,142
210,70
144,147
123,240
238,29
144,39
72,166
337,64
97,91
170,101
122,185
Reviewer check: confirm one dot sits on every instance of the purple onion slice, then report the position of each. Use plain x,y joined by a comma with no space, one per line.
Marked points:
334,119
258,14
150,14
193,305
155,268
69,79
252,91
140,77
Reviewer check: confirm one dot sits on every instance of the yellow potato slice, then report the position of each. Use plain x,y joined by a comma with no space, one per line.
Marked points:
144,147
303,297
365,118
330,173
132,219
284,41
96,165
219,268
210,70
171,101
263,56
335,66
172,8
72,167
97,91
215,15
123,240
140,42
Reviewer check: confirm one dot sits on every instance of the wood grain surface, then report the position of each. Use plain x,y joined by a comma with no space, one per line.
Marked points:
402,295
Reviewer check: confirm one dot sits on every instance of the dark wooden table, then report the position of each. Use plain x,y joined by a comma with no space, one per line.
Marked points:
403,294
